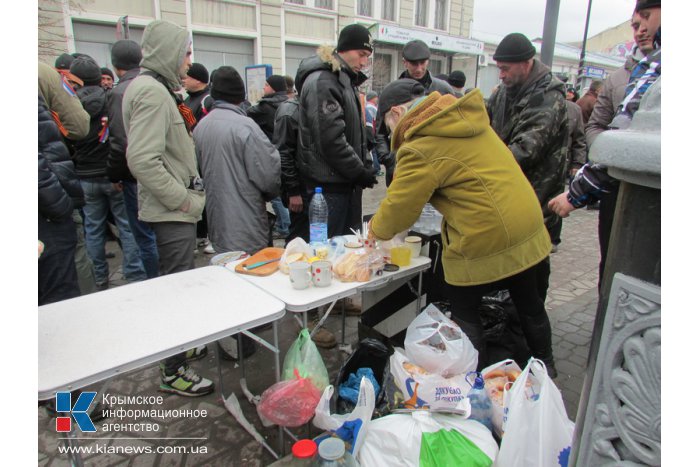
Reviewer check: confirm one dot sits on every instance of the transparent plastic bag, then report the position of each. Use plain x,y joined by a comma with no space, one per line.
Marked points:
289,403
303,357
358,265
296,250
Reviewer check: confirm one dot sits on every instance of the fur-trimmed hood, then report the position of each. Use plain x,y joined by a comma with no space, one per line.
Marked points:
326,58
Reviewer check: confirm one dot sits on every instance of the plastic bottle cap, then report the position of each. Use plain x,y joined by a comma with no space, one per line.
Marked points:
319,189
479,382
331,448
304,449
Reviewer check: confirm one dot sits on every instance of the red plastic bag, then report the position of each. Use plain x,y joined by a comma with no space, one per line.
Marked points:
289,403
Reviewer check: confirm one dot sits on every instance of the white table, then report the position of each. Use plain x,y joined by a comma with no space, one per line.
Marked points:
94,337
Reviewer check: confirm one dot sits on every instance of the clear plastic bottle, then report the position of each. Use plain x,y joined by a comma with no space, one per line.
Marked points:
318,218
482,408
332,453
304,453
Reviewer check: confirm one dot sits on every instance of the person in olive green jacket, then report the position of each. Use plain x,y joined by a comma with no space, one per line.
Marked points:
161,157
493,233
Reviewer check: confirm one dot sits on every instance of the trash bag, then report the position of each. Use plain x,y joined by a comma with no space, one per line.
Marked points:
289,403
373,354
537,430
304,357
439,345
502,332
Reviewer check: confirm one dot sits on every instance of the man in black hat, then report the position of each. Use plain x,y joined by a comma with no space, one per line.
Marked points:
528,112
196,83
457,79
107,78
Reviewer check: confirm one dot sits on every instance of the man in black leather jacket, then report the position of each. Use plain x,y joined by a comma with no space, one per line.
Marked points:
332,151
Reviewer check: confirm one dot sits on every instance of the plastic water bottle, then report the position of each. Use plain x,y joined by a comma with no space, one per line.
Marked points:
480,402
318,218
332,453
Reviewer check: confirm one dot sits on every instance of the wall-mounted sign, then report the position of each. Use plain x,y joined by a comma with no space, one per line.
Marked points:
396,35
594,72
255,78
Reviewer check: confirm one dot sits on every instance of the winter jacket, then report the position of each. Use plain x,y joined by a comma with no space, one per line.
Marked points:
431,83
59,188
263,113
160,153
241,170
533,124
92,151
586,103
448,155
117,169
62,101
195,101
610,97
332,150
284,139
577,153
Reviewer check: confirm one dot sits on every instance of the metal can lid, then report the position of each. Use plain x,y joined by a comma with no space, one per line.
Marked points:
304,449
331,449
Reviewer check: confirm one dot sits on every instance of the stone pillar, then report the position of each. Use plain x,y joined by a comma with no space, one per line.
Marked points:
619,416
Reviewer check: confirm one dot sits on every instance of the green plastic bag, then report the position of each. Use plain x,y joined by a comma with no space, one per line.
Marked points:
450,447
305,357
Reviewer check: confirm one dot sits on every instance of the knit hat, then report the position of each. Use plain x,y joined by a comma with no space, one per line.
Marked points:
515,47
396,93
85,68
642,4
126,54
416,51
107,71
371,95
198,72
354,37
277,82
64,61
227,85
457,79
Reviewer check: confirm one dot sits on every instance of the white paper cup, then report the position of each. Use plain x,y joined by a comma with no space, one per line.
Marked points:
414,243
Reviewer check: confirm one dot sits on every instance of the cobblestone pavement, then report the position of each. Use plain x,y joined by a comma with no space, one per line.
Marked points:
220,440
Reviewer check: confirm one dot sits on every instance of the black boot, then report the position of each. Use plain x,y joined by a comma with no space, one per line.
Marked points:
538,334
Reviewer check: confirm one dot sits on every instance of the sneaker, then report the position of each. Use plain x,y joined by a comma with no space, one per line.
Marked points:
185,382
209,249
196,353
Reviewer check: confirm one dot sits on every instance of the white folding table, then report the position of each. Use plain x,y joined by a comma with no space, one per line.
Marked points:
90,338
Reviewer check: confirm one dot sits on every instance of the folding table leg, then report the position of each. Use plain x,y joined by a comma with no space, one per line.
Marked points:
420,292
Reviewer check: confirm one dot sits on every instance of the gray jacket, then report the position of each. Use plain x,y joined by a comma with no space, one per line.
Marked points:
241,170
576,139
610,97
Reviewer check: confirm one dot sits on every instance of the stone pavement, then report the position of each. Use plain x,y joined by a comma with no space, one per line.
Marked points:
218,440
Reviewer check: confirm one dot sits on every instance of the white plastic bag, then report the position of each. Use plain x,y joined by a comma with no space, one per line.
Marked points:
537,431
497,378
346,426
296,250
424,390
427,440
439,345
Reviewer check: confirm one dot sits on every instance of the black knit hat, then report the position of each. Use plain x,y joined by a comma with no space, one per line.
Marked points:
198,72
126,54
416,51
642,4
457,79
107,71
396,93
277,82
227,85
354,37
64,61
85,68
515,47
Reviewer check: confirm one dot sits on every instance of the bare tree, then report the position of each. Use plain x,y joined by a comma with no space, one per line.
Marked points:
51,29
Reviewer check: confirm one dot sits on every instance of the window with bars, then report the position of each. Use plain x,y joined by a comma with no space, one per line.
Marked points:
421,13
364,8
389,10
440,14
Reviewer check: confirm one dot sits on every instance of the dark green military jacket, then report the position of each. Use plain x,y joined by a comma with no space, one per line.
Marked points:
533,124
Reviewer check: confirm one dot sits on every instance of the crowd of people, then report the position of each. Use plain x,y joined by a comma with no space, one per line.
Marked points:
167,152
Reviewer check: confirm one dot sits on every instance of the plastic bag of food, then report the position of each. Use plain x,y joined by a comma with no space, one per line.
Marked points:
358,265
296,250
303,357
497,378
289,403
439,345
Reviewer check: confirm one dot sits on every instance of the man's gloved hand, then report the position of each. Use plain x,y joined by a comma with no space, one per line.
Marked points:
367,179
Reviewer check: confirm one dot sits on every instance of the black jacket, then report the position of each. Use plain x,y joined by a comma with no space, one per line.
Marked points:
285,140
117,170
263,113
59,188
91,153
195,101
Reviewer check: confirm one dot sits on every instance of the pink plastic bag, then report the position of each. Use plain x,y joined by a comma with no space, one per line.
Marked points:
289,403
